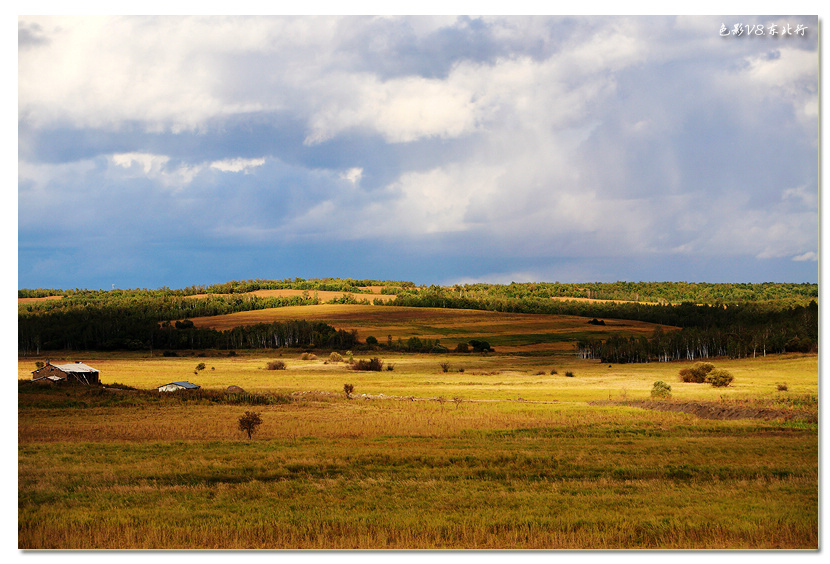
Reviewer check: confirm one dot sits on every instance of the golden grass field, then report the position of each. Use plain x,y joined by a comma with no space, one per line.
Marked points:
504,454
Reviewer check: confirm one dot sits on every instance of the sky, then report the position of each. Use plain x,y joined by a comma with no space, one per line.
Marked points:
174,151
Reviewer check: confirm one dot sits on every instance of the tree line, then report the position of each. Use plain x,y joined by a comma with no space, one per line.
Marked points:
779,317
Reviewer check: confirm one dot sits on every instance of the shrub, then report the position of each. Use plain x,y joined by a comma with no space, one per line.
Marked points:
230,353
348,389
719,378
481,346
553,371
661,390
249,422
462,348
375,364
335,357
39,364
390,367
782,386
275,365
569,374
370,340
697,372
445,366
308,356
200,366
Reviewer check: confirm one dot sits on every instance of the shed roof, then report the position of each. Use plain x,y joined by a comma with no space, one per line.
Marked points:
183,384
75,367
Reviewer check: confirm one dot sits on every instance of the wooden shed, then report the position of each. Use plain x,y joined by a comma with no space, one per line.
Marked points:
176,386
73,372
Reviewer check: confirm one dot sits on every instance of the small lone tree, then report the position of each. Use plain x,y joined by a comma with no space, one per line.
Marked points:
348,389
249,422
661,390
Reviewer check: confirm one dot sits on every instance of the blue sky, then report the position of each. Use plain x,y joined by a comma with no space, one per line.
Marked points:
170,151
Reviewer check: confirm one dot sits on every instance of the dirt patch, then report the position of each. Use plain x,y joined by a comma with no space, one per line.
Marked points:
717,410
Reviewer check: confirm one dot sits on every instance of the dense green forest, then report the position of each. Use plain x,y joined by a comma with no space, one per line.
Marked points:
716,319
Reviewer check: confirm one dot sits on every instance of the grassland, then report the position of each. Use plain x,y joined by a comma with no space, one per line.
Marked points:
526,458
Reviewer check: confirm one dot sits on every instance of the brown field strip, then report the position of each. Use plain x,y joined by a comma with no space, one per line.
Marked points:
516,331
30,300
322,295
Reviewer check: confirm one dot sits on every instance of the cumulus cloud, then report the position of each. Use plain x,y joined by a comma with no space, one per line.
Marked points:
541,139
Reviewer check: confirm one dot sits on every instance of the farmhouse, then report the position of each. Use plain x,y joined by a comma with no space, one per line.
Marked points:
75,372
174,386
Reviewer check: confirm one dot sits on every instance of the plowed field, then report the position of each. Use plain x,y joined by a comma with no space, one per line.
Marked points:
510,332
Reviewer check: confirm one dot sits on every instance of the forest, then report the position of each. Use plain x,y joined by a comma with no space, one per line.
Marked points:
734,320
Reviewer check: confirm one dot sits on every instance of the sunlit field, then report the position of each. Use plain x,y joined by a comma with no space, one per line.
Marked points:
508,332
499,451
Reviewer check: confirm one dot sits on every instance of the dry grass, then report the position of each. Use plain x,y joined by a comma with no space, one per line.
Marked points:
492,376
395,474
522,462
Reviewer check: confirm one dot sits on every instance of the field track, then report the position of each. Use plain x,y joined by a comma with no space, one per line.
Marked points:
510,332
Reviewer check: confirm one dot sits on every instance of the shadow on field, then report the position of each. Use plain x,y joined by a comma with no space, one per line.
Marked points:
719,410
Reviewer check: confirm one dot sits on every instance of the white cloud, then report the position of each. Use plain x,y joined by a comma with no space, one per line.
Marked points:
808,256
353,175
237,165
157,168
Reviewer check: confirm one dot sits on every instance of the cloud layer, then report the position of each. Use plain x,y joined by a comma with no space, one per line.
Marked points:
180,150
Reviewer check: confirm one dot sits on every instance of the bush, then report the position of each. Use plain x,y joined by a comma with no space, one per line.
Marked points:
370,340
445,366
390,367
697,372
335,357
200,366
462,348
275,365
348,389
308,356
661,390
481,346
249,422
553,371
569,374
375,364
782,386
719,378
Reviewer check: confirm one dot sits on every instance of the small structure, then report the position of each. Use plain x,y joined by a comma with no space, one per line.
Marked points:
66,373
176,386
